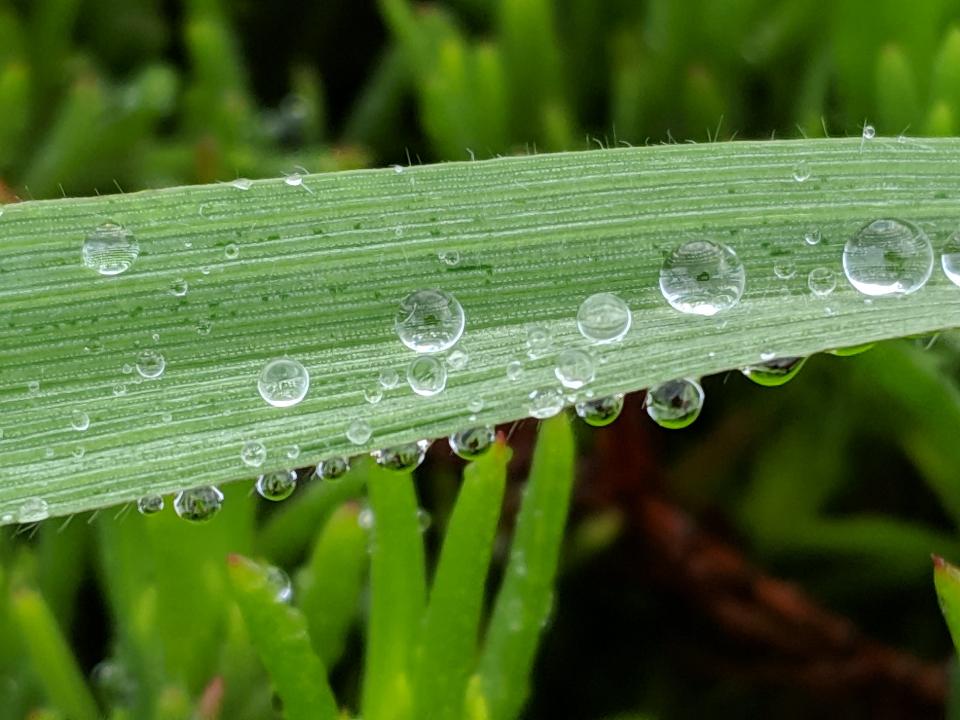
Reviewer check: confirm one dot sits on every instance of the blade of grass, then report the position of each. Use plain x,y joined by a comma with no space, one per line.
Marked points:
946,580
279,633
49,653
397,595
449,636
526,595
322,267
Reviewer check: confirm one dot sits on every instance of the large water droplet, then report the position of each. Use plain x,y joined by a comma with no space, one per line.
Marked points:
429,321
603,318
198,504
426,375
150,364
702,278
79,420
110,249
821,281
150,504
888,257
402,457
674,404
472,442
574,368
253,453
332,468
277,485
950,260
545,402
600,412
283,382
33,509
358,432
772,373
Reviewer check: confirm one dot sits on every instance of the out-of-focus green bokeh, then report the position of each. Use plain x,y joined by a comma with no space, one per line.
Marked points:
842,482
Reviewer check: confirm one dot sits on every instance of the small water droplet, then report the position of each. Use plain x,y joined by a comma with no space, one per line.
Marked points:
424,520
365,518
79,420
253,453
373,394
402,458
888,257
281,584
430,321
472,442
812,236
110,249
283,382
48,452
198,504
600,412
475,405
801,171
458,358
450,258
119,390
292,452
398,169
93,347
179,288
150,504
277,485
150,364
294,179
821,281
774,371
241,183
869,132
389,379
574,368
32,510
603,318
33,387
205,270
702,278
426,375
204,327
784,269
545,402
78,452
126,368
332,468
514,370
539,341
674,404
950,259
359,432
231,251
166,417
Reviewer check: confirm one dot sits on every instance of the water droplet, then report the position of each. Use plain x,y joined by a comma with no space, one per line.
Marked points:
574,368
603,318
166,417
280,582
472,442
119,390
888,257
48,452
869,132
545,402
402,458
253,453
373,394
126,368
674,404
774,372
475,405
458,358
277,485
150,504
426,375
950,260
600,412
110,249
514,370
241,183
179,288
821,281
398,169
33,387
389,378
283,382
801,171
424,520
204,327
784,269
198,504
365,518
78,452
33,509
539,341
359,432
205,270
812,236
114,683
429,321
332,468
150,364
79,420
231,251
292,452
852,350
294,179
702,278
450,258
93,347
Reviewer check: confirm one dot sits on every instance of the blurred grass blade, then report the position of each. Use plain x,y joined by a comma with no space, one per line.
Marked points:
322,266
49,653
449,636
330,585
526,596
397,595
280,636
946,580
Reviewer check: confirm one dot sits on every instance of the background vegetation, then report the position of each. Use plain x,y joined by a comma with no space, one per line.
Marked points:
771,560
